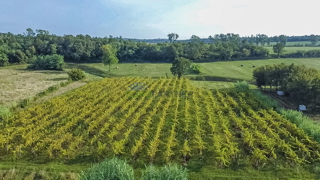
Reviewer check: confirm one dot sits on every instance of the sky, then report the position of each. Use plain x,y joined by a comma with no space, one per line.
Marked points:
153,19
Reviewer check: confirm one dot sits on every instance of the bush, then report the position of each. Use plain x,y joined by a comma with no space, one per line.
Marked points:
48,62
4,112
170,172
241,86
195,69
64,84
76,74
113,169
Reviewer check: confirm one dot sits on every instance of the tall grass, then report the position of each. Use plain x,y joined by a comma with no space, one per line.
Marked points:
169,172
113,169
4,112
303,122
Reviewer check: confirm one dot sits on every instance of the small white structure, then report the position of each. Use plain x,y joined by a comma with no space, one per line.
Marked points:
117,67
302,108
280,93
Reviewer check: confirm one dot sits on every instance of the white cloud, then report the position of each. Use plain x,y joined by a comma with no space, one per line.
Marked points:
209,17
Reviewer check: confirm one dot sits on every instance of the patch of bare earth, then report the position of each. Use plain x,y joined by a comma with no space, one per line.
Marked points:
16,85
60,91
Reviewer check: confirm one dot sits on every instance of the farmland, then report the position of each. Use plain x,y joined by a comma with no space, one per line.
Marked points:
294,49
105,118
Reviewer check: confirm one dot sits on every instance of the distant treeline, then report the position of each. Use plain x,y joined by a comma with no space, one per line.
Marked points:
259,38
24,48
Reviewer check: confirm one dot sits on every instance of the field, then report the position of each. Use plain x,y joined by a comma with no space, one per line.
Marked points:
294,49
98,127
226,71
16,83
107,118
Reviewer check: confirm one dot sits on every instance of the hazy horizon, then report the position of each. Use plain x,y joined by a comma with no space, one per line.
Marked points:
155,19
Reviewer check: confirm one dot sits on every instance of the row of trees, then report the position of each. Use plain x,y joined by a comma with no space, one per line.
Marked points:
298,81
22,48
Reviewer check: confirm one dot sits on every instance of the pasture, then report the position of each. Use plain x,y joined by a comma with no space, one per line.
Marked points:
204,130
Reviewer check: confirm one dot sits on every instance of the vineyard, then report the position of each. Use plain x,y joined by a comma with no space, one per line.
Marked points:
170,121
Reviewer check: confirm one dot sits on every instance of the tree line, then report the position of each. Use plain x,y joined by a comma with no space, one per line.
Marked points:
302,84
23,48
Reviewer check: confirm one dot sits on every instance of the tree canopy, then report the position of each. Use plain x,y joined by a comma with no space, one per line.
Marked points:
180,66
109,55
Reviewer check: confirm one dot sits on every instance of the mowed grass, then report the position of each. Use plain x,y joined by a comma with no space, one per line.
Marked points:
17,83
295,42
294,49
233,69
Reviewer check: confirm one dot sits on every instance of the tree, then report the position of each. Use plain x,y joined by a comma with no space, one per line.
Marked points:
48,62
180,66
313,39
278,48
109,55
283,39
4,61
195,38
173,37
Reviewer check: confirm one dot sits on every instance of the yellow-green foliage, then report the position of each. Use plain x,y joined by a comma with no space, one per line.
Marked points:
169,122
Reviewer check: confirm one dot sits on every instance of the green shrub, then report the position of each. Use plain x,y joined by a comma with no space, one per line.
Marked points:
3,61
241,86
52,88
112,169
25,102
76,74
4,112
170,172
48,62
195,69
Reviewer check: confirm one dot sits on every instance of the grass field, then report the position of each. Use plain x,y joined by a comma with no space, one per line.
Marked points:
221,71
17,83
296,42
294,49
204,130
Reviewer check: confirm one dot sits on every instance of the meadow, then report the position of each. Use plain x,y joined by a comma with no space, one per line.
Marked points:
217,129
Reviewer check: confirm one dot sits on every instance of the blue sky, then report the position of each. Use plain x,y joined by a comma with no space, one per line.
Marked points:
146,19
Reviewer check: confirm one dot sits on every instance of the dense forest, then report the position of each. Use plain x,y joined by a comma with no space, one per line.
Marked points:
23,48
